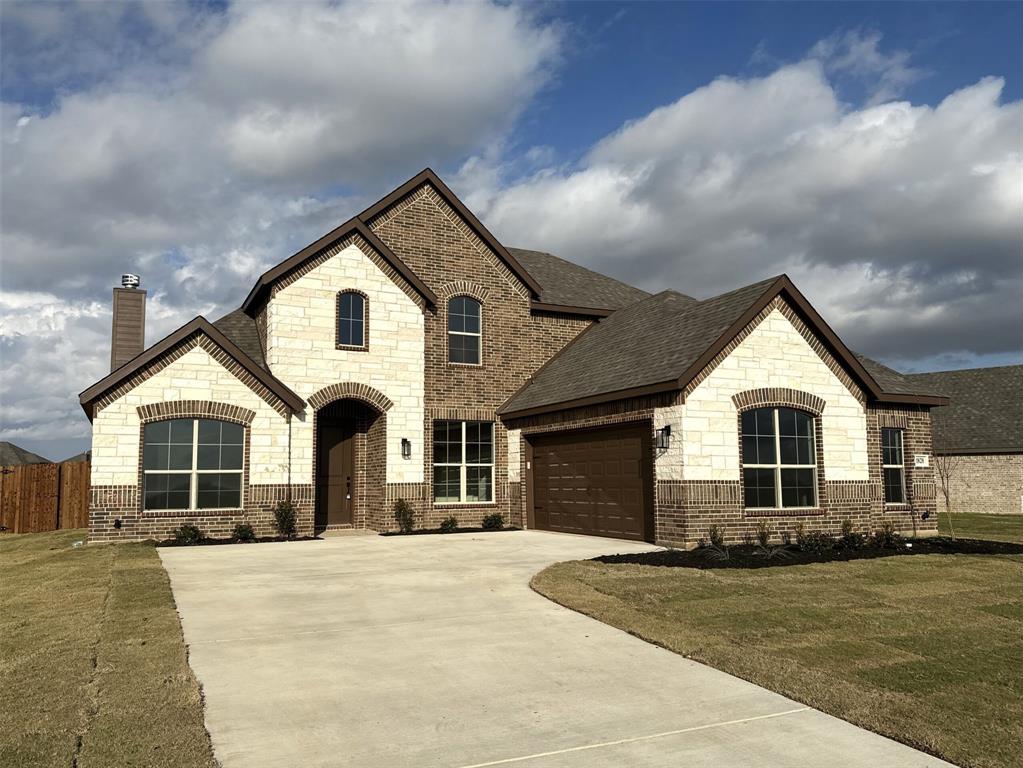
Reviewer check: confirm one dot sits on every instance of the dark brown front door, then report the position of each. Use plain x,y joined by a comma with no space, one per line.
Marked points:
335,473
596,482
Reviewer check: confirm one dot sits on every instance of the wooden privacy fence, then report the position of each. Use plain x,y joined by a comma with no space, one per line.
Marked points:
44,497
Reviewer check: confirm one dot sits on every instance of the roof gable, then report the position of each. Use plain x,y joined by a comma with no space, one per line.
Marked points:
566,285
665,342
197,327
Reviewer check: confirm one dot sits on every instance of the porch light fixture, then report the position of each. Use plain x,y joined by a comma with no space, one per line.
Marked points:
406,448
664,437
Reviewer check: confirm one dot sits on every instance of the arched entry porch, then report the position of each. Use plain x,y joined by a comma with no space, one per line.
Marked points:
349,463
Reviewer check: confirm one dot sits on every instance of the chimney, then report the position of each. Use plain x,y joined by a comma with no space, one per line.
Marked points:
128,337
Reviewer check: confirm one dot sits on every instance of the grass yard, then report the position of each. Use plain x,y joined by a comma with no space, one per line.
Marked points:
926,649
93,670
994,527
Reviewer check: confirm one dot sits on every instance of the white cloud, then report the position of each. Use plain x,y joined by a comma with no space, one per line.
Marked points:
198,147
903,222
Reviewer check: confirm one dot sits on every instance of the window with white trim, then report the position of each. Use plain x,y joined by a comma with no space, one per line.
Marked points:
463,462
779,459
893,466
192,464
464,334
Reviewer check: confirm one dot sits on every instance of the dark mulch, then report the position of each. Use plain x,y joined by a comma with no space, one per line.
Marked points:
743,556
427,531
212,542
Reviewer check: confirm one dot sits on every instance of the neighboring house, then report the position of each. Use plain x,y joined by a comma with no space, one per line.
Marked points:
981,434
12,455
409,355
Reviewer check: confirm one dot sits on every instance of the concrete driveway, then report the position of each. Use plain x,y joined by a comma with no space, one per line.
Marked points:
433,651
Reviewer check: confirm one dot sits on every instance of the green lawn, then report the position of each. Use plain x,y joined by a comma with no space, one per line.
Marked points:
995,527
94,671
925,649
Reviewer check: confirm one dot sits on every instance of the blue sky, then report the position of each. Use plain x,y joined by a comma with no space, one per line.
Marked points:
873,152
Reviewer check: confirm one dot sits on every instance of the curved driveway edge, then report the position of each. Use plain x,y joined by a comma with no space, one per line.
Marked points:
433,651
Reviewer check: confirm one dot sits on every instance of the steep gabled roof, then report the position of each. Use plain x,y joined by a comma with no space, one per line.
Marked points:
427,176
200,324
662,343
567,285
356,225
242,330
986,412
13,455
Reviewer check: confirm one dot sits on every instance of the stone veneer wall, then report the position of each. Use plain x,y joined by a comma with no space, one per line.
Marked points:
986,484
447,255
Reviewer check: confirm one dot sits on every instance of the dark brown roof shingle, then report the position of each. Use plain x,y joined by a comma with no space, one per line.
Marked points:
242,330
986,413
571,285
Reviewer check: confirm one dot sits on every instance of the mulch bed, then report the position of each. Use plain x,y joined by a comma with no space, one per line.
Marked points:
212,542
427,531
744,556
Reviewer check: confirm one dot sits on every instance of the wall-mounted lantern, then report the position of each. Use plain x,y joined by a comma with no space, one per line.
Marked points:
664,437
406,448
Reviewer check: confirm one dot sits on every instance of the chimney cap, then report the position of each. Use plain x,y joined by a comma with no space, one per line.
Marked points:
130,281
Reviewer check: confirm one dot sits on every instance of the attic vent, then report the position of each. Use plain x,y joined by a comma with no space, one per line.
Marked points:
130,281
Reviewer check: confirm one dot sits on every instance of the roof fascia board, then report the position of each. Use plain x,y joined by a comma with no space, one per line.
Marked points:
197,325
582,402
565,309
427,176
293,262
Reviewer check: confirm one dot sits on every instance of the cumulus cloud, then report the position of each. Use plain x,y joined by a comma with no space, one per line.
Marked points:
903,222
198,147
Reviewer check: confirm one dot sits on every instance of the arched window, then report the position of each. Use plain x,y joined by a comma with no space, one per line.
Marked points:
779,458
351,319
464,321
192,464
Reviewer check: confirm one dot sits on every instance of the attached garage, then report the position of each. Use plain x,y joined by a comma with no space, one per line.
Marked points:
597,482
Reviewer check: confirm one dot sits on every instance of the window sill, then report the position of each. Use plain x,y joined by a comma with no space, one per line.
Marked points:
900,506
351,348
455,504
783,512
224,511
464,365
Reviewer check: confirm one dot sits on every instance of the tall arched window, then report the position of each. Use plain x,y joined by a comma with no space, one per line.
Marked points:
464,335
192,464
779,458
351,319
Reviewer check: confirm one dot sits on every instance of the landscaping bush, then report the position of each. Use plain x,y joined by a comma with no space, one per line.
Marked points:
494,522
716,536
284,519
763,534
243,532
850,539
188,534
714,547
449,524
816,542
886,537
404,516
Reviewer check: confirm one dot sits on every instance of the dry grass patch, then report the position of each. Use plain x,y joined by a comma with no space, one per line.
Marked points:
925,649
94,671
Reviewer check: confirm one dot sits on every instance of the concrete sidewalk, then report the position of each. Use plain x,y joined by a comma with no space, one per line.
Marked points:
433,651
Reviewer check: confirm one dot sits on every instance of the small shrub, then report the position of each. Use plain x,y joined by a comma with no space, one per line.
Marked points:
284,519
800,535
494,522
886,536
763,534
449,524
715,548
188,534
243,532
716,536
850,539
816,542
786,538
747,539
404,516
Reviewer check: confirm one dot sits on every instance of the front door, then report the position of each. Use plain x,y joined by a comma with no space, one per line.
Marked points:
335,473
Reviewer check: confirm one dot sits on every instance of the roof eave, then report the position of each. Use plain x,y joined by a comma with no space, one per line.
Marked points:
88,397
582,402
566,309
904,399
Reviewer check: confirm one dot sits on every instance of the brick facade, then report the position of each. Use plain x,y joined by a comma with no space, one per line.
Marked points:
990,483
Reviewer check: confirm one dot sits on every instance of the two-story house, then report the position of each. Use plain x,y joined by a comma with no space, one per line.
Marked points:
408,354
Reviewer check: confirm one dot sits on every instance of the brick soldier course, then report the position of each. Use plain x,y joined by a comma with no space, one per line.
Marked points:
562,350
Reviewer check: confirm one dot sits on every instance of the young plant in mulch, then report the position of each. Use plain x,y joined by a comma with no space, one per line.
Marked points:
284,519
494,522
243,533
404,516
187,535
449,524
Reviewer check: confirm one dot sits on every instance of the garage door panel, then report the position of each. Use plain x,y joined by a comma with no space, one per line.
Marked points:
595,482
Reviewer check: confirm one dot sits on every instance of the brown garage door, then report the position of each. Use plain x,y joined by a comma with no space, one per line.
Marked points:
596,482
